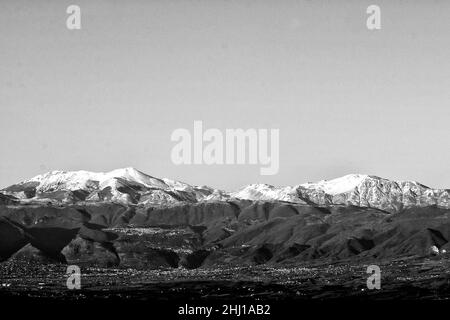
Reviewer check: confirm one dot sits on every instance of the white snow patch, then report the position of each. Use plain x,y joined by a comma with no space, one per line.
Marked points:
266,192
338,185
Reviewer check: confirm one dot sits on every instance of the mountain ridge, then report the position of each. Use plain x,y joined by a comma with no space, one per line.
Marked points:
133,187
129,219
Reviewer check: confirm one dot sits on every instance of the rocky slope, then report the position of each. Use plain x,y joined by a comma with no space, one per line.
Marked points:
127,219
132,187
209,234
127,186
372,191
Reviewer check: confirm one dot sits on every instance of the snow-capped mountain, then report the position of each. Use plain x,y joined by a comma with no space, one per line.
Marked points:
126,185
372,191
266,192
131,186
338,185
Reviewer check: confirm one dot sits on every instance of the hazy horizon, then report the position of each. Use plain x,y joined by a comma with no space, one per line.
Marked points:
346,99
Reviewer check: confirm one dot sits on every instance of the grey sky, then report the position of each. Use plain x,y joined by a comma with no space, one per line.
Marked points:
346,99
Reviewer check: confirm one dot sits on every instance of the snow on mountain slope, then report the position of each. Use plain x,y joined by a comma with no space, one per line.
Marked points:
372,191
126,185
338,185
267,192
130,186
353,189
74,180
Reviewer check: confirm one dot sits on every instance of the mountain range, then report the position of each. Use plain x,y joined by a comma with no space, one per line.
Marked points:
132,187
128,219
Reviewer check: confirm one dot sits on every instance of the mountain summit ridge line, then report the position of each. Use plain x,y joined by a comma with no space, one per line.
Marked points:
133,187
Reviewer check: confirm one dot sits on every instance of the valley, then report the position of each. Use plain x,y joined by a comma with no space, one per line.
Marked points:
259,242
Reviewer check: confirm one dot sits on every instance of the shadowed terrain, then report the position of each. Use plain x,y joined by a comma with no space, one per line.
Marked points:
223,250
219,234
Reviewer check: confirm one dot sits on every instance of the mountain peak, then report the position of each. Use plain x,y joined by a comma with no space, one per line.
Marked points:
127,170
131,186
337,185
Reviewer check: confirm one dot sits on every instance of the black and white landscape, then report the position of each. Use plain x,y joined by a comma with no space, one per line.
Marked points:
291,156
139,237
